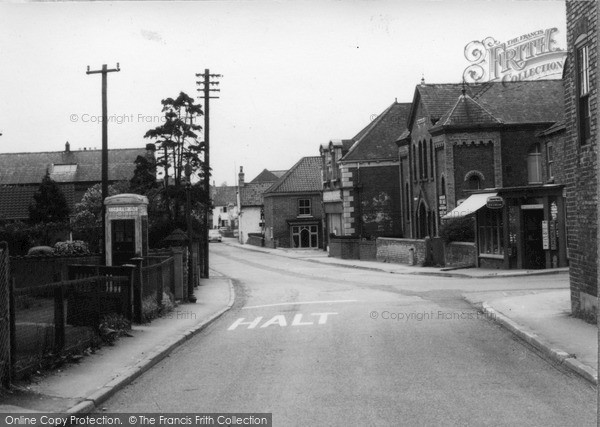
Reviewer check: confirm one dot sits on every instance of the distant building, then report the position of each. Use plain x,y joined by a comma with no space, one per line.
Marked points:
74,171
225,207
293,210
361,190
579,160
251,203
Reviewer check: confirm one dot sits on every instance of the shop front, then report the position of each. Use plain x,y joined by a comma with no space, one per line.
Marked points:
518,227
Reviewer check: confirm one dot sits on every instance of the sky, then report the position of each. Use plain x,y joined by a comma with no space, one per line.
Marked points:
294,74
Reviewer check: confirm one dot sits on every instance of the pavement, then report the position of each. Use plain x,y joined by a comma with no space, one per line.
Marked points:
541,318
83,387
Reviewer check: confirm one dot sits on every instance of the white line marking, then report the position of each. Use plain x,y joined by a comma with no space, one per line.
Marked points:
300,303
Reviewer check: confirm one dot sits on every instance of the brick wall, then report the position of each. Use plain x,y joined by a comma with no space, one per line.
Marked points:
471,157
515,145
460,254
580,164
344,248
398,250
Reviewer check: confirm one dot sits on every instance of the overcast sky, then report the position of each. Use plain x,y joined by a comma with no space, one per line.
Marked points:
295,75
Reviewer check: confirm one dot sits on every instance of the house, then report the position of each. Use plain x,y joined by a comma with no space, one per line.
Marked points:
225,207
361,179
477,150
292,207
250,202
74,171
579,159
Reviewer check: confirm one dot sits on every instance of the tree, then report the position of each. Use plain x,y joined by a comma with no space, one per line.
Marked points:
50,204
87,217
179,149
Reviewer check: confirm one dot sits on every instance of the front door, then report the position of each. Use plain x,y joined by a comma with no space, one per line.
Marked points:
533,255
305,236
123,241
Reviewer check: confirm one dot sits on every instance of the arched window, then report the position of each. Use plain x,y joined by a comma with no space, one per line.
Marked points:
420,160
443,186
534,164
474,182
425,160
415,173
407,202
431,156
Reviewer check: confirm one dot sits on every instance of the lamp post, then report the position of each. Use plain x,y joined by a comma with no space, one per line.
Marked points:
188,218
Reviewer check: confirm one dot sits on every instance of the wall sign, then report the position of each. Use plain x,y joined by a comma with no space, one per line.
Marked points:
494,202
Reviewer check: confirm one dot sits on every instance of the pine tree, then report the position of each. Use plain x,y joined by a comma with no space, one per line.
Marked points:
50,204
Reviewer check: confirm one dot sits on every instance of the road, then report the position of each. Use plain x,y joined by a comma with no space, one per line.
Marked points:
326,345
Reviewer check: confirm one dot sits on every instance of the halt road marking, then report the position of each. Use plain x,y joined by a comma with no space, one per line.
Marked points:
300,303
281,321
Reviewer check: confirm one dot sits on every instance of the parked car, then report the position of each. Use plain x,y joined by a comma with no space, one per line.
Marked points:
214,236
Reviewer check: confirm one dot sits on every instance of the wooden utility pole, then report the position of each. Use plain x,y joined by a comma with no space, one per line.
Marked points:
104,71
206,82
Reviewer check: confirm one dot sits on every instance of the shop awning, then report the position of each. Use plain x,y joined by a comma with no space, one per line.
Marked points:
473,203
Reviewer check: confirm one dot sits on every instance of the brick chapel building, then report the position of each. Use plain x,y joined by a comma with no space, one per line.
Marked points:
580,158
463,140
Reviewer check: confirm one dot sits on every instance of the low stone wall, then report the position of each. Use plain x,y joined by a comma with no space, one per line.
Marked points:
459,254
401,251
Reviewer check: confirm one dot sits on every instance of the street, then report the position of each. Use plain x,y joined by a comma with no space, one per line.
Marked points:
317,344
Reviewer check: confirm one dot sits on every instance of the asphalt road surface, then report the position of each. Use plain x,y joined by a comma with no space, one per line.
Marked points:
327,345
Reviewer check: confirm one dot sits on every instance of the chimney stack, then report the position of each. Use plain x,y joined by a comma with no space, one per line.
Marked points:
241,177
67,147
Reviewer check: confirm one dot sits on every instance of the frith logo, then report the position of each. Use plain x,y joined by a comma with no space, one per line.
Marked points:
532,56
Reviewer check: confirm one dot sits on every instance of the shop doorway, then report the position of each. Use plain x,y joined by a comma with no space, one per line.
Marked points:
533,251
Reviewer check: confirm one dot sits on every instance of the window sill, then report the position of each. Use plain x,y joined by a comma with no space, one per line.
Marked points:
492,256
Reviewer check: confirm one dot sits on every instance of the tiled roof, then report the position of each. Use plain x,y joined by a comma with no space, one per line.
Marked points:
556,127
303,177
251,194
266,176
30,168
466,112
377,140
224,195
538,101
16,199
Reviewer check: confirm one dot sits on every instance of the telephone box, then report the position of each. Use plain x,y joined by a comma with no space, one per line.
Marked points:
126,228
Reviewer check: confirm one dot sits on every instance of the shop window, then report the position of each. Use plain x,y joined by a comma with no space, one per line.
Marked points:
583,94
490,232
534,165
304,208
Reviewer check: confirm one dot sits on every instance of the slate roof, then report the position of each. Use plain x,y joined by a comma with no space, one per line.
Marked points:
377,140
30,168
251,194
466,112
15,200
303,177
224,195
538,101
